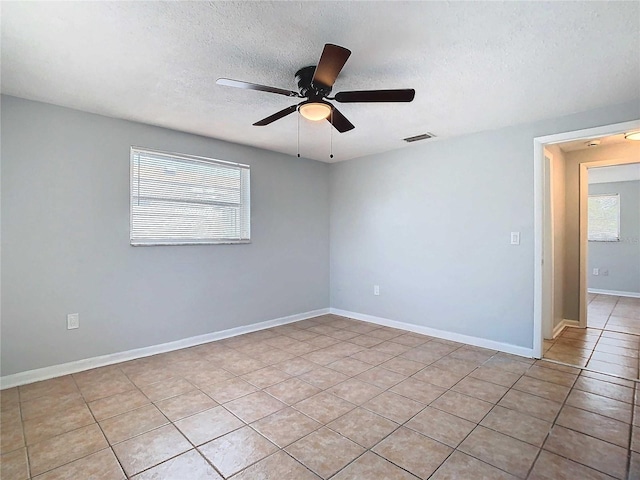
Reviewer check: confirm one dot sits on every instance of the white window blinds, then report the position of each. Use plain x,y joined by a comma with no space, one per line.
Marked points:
180,199
604,218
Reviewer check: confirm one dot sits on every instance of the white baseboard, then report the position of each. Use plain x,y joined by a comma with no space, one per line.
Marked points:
456,337
614,292
46,373
564,323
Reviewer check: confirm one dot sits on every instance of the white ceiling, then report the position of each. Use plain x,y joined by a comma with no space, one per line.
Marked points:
474,65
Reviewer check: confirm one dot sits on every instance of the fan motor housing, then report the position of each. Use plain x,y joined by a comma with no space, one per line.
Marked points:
304,78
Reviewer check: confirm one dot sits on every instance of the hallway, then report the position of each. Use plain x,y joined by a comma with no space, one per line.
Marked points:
609,344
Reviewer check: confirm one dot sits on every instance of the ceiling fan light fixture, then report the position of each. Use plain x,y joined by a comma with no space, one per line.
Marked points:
315,83
315,111
632,135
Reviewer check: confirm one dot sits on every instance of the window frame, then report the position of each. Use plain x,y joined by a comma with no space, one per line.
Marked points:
605,240
167,241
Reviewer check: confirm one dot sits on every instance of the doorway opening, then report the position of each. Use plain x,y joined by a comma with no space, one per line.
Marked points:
562,265
610,340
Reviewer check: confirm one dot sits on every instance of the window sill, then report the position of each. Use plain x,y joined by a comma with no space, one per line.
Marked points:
207,242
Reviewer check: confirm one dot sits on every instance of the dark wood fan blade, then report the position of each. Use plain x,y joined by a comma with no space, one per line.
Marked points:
331,62
227,82
339,121
401,95
276,116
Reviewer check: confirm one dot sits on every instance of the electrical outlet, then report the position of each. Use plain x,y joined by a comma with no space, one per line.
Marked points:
596,271
73,321
376,289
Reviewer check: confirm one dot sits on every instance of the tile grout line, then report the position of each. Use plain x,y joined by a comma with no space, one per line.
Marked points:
631,428
369,449
169,422
287,405
485,416
24,436
591,436
604,328
173,423
110,447
594,346
553,424
601,335
558,362
387,389
73,430
453,449
283,449
592,412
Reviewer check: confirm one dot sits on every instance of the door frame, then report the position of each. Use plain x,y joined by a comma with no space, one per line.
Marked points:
548,263
543,228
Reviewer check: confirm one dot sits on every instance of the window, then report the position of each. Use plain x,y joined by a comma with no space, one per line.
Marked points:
604,218
181,199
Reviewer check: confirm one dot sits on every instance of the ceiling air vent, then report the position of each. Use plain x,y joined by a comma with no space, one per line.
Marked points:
424,136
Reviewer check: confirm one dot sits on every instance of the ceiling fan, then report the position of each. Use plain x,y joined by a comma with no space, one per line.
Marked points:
315,84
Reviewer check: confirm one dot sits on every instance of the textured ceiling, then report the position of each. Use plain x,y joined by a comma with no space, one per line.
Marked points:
474,65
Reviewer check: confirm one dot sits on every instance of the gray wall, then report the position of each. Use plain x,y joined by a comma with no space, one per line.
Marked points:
430,224
65,242
621,259
619,151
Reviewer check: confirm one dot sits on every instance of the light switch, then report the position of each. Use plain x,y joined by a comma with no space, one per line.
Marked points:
73,321
515,238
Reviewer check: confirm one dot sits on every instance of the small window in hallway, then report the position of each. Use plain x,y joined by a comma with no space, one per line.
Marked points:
604,218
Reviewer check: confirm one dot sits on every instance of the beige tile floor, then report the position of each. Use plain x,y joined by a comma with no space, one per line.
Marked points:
609,344
328,397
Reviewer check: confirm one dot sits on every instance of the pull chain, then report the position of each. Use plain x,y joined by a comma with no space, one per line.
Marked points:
298,135
331,136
